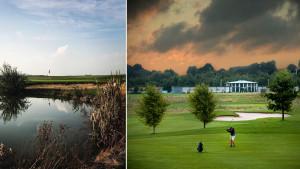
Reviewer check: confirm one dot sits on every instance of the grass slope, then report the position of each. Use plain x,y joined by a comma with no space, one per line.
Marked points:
261,143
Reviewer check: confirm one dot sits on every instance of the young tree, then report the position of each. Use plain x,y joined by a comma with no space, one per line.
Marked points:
202,103
151,107
12,82
282,92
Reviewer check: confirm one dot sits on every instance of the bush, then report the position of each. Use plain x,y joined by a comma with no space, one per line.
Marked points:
12,82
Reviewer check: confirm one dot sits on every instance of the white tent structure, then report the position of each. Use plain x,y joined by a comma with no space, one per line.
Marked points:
242,86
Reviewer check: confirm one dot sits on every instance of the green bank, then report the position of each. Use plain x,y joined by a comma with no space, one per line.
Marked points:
96,79
68,80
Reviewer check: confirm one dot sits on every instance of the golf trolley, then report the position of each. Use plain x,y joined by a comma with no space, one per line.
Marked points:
200,147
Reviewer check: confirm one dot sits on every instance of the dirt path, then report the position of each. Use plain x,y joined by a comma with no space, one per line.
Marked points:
65,87
249,116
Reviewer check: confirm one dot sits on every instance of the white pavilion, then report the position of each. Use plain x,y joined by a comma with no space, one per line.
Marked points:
242,86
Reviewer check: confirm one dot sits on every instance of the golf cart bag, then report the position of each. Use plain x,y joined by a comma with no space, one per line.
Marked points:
200,147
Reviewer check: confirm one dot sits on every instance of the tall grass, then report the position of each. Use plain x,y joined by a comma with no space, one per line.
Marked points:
108,122
5,152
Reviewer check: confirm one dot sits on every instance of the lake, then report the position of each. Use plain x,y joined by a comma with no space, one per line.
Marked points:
19,119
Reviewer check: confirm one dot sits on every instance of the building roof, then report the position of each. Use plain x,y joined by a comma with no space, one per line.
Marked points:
242,81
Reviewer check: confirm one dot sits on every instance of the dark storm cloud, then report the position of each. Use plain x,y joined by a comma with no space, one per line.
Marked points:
250,22
171,36
266,30
136,8
175,36
236,11
222,17
297,3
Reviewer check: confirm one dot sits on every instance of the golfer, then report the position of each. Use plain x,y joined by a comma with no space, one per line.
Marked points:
232,136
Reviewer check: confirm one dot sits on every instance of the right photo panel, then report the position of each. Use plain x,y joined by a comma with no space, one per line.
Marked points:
213,84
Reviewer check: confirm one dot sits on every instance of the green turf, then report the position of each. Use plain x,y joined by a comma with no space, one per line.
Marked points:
261,143
100,79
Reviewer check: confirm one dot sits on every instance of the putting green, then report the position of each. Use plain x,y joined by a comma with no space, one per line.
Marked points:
261,143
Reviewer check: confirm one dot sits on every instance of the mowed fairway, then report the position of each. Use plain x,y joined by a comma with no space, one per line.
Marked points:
261,143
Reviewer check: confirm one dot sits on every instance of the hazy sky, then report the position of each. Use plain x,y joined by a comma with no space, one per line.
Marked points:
69,37
181,33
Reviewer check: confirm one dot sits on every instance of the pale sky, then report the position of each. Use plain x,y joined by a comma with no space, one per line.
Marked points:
176,34
69,37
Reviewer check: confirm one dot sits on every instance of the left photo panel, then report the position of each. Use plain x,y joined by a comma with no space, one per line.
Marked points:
63,84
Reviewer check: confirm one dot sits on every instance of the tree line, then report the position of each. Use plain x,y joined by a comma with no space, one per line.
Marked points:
261,73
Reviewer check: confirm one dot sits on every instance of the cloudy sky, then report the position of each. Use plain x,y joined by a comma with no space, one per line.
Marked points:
164,34
69,37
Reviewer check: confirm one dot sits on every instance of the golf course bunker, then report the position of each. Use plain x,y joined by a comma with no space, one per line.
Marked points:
249,116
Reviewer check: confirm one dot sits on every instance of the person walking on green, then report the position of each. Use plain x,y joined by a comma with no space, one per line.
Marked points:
232,136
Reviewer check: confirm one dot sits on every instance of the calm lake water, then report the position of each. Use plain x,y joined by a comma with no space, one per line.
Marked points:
19,119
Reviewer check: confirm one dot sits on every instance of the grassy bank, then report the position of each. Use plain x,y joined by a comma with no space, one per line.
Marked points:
261,143
99,79
67,80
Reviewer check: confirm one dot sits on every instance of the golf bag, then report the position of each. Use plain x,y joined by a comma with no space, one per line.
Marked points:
200,147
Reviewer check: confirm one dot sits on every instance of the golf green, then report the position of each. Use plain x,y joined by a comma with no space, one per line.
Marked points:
261,143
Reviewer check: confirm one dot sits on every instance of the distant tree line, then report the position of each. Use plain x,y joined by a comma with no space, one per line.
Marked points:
137,76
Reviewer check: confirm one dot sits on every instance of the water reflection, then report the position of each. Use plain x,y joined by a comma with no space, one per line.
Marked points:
74,106
84,108
12,106
29,112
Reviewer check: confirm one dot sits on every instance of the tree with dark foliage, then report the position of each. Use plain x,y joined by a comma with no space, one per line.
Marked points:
282,92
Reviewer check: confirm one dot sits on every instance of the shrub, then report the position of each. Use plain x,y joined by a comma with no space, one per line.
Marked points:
12,82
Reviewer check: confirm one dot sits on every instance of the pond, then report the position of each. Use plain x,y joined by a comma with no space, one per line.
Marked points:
19,118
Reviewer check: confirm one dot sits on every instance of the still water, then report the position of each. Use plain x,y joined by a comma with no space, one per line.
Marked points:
19,119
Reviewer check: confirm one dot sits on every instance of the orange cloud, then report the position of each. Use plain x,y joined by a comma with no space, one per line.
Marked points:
242,43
